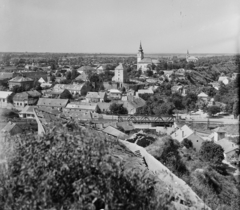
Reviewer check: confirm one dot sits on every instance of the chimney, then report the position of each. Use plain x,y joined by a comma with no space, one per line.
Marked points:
182,133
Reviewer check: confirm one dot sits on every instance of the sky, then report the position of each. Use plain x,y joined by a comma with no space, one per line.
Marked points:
118,26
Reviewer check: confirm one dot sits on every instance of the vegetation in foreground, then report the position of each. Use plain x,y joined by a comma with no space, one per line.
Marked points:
76,169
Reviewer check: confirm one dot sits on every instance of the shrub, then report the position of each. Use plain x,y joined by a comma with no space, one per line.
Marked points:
211,152
67,169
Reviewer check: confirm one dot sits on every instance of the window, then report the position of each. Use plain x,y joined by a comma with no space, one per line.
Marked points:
3,100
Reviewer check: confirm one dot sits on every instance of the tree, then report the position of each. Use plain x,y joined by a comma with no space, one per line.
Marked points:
68,75
149,73
52,78
190,101
212,110
117,109
74,74
165,108
236,108
66,94
187,143
211,152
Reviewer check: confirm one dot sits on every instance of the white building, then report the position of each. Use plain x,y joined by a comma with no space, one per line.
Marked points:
191,58
3,98
120,74
144,64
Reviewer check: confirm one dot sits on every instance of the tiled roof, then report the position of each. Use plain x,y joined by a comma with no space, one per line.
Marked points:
61,87
83,106
120,67
135,101
25,95
21,79
52,102
95,95
28,110
8,127
227,145
220,130
114,132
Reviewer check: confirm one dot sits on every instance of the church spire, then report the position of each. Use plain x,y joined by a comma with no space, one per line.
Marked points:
140,48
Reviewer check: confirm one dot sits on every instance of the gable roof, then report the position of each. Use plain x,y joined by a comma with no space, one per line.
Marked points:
27,110
5,94
61,87
182,133
136,102
52,102
114,132
220,130
99,95
202,94
120,67
25,95
227,145
10,125
21,79
83,106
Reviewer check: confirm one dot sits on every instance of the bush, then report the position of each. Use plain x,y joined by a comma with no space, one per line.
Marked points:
67,169
211,152
187,143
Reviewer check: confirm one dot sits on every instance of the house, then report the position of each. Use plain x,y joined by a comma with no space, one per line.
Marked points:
203,96
74,89
217,134
115,94
177,89
168,74
60,79
120,74
127,127
110,85
27,112
23,99
143,91
231,150
215,85
82,77
53,103
21,81
95,97
100,70
11,129
84,69
224,79
3,98
104,107
45,116
187,133
86,107
110,130
132,104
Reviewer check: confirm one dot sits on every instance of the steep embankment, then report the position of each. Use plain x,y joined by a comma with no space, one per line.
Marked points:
184,195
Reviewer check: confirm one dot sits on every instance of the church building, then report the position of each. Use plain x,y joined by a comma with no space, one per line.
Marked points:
191,58
145,64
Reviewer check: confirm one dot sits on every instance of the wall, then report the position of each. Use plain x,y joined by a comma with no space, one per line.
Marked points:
3,102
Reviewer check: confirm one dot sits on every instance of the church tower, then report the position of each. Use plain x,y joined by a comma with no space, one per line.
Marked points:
140,54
